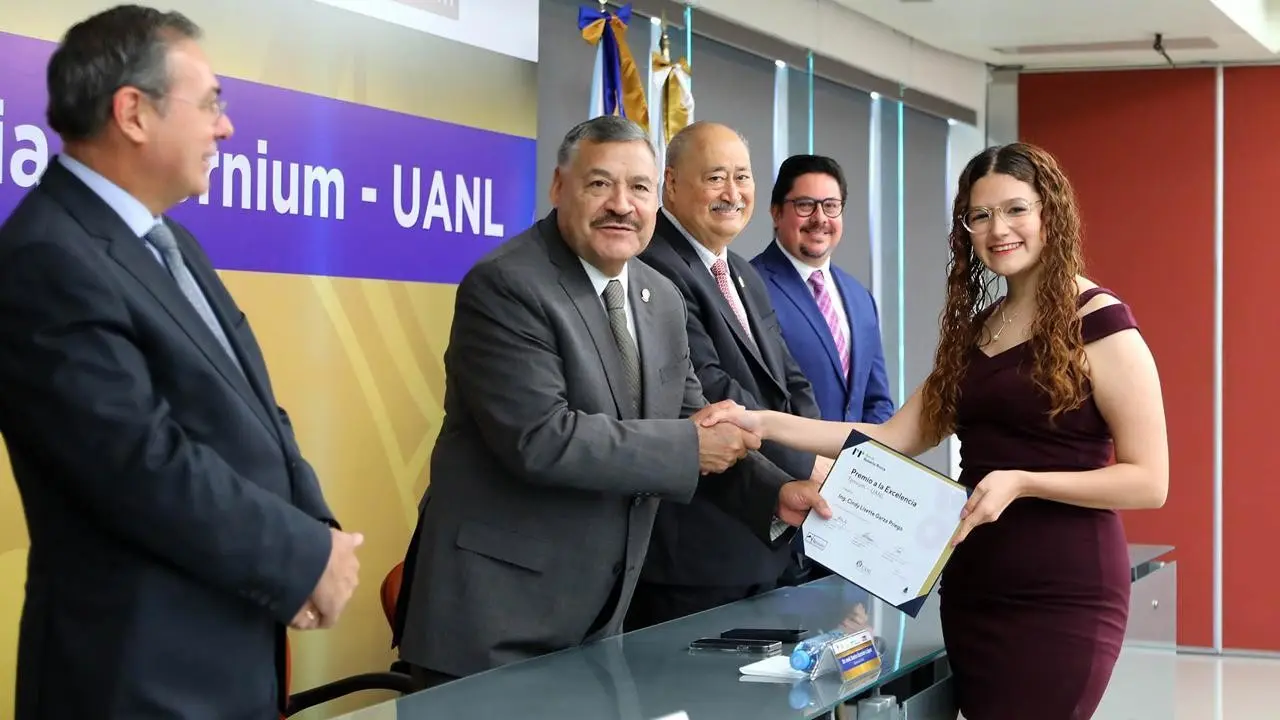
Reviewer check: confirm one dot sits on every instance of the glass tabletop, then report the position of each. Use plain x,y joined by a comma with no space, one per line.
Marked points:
1145,559
651,673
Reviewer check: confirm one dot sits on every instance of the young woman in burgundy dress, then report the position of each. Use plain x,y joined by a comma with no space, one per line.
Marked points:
1055,399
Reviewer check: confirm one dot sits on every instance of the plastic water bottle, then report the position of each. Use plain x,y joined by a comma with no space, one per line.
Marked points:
798,697
807,652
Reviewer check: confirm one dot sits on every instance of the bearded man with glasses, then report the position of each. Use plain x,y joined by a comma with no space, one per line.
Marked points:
828,319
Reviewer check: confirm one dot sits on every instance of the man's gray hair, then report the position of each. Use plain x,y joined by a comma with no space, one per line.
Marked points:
602,129
680,141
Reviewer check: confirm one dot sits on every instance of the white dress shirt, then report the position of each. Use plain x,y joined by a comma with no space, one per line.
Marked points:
806,271
708,259
130,209
599,280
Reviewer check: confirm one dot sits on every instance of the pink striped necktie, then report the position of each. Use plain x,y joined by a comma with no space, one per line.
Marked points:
720,270
818,282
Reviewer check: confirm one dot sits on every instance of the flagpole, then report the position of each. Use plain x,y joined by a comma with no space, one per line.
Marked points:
664,49
688,41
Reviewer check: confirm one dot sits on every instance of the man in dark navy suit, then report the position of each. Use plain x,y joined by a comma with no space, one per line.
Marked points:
828,319
176,530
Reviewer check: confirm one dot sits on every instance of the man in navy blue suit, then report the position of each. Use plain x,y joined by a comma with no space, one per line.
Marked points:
828,319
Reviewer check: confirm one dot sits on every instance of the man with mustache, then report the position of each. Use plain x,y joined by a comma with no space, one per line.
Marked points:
700,557
828,318
571,410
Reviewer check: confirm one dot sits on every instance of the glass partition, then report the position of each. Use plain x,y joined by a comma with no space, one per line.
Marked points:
899,163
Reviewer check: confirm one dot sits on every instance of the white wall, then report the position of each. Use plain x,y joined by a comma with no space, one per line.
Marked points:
1002,107
838,32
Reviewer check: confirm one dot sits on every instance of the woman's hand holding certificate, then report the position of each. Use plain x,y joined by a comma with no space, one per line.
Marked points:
989,499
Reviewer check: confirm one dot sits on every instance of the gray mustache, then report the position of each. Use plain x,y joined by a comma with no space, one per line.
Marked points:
611,219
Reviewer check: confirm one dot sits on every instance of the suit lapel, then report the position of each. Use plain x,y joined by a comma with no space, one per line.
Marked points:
648,339
765,349
783,274
846,300
573,279
702,276
206,277
132,254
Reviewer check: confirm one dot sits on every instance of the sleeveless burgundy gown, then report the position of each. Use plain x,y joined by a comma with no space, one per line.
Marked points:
1034,605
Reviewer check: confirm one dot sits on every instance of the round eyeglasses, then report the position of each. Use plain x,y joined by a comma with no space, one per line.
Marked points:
978,220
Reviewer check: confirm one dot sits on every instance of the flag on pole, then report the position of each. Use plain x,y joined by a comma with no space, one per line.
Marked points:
671,87
618,89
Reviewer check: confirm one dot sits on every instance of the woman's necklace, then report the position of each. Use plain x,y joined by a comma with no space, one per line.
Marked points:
1004,323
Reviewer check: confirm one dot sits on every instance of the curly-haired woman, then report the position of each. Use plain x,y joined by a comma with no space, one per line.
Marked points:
1056,401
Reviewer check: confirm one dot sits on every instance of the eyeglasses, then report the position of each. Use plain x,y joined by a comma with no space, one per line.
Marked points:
806,206
978,220
216,106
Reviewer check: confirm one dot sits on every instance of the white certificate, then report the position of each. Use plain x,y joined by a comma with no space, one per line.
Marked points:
892,521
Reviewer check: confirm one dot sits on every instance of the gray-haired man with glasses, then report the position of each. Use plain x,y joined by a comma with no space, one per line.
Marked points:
176,529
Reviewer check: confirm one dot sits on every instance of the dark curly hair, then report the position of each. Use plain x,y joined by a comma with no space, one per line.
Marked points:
1058,366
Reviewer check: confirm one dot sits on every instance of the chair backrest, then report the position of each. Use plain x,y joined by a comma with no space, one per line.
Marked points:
391,593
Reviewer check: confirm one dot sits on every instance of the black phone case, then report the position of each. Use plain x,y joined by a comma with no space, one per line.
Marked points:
783,635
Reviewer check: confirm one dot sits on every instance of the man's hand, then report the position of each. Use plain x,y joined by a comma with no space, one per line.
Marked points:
339,581
856,619
797,498
720,446
724,407
307,618
728,411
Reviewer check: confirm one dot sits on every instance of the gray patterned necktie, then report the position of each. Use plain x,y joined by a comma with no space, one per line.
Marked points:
162,238
615,301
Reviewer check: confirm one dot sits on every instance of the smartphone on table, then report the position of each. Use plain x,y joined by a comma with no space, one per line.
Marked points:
782,635
746,646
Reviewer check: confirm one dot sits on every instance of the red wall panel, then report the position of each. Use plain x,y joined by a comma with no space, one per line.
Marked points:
1139,148
1250,346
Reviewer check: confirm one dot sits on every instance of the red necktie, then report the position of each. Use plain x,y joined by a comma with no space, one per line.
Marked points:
720,270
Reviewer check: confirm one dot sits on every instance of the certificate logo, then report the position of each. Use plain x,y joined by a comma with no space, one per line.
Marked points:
867,458
815,541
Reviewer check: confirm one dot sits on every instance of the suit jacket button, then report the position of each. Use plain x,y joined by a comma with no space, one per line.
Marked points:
637,500
617,568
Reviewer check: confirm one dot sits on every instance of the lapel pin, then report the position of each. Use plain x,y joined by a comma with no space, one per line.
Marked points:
644,294
741,284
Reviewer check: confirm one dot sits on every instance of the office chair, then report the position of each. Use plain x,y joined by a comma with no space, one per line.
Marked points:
396,680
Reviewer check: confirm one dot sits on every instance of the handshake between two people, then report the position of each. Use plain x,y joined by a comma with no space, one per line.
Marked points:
727,432
336,586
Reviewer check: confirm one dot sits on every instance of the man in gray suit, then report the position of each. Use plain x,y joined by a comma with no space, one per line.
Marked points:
571,410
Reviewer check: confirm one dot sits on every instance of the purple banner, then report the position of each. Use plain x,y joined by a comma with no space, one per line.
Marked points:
311,185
